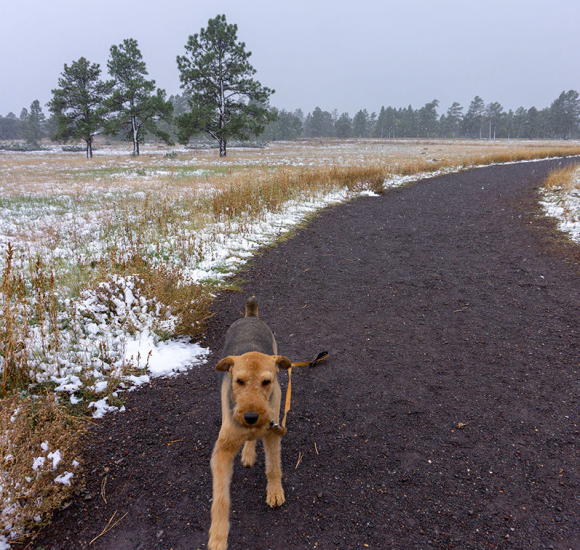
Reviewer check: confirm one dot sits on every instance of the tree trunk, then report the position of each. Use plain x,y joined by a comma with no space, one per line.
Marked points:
222,107
90,148
135,137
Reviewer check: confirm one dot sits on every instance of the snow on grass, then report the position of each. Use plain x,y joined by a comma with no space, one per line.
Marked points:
37,463
112,334
563,203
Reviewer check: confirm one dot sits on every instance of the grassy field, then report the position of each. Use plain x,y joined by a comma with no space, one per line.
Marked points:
98,254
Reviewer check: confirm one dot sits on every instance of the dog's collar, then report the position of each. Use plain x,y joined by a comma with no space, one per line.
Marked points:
277,429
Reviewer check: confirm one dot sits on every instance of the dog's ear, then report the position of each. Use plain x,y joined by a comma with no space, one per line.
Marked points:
283,362
225,364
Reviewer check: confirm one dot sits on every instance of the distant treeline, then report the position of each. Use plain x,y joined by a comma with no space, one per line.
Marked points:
481,121
561,120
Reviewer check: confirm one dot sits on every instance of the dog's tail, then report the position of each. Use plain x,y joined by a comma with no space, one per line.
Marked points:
252,307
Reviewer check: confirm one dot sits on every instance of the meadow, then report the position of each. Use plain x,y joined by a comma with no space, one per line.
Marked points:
109,266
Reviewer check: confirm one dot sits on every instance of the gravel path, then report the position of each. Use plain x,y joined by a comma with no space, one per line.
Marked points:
447,415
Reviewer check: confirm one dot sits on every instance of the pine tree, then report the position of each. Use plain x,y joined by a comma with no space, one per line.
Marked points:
565,114
390,122
343,126
474,118
23,123
494,114
290,126
9,126
533,123
428,119
520,123
508,124
316,128
361,124
286,127
136,105
380,124
454,119
78,103
34,125
408,122
299,114
225,101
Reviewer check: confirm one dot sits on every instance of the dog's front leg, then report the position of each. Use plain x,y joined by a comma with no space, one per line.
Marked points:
222,466
274,491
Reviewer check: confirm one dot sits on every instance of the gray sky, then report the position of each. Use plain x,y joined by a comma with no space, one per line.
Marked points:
336,54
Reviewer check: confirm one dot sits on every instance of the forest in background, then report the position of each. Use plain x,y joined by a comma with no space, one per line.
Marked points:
479,121
561,120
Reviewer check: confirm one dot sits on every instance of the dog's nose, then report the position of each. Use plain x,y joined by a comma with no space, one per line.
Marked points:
251,418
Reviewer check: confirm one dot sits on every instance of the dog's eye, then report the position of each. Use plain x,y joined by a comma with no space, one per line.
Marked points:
239,382
266,382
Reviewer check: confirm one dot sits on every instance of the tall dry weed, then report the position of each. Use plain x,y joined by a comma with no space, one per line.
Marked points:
14,325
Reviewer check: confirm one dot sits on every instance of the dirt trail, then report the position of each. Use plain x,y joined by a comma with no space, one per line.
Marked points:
446,417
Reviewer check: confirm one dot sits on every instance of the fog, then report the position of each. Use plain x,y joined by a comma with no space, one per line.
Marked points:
344,55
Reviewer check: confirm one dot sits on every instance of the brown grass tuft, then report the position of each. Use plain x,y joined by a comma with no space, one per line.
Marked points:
562,179
32,428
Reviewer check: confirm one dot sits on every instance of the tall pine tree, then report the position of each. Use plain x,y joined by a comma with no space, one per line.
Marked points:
225,101
78,103
135,106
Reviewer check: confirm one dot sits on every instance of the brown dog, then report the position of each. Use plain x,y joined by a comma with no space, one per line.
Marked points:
250,394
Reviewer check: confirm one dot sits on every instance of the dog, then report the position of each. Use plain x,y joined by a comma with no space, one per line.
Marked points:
250,398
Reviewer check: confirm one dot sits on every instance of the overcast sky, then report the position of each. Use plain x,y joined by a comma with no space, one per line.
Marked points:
336,54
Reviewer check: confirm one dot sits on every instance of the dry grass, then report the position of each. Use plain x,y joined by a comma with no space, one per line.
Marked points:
148,217
39,450
561,198
564,179
13,328
189,302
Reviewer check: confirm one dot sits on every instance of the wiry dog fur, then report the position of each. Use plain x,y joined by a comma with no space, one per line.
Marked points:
250,395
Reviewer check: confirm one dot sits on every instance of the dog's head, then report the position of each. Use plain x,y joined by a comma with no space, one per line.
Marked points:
254,379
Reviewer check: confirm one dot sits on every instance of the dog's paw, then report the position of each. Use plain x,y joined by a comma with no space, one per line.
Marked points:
249,454
275,498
